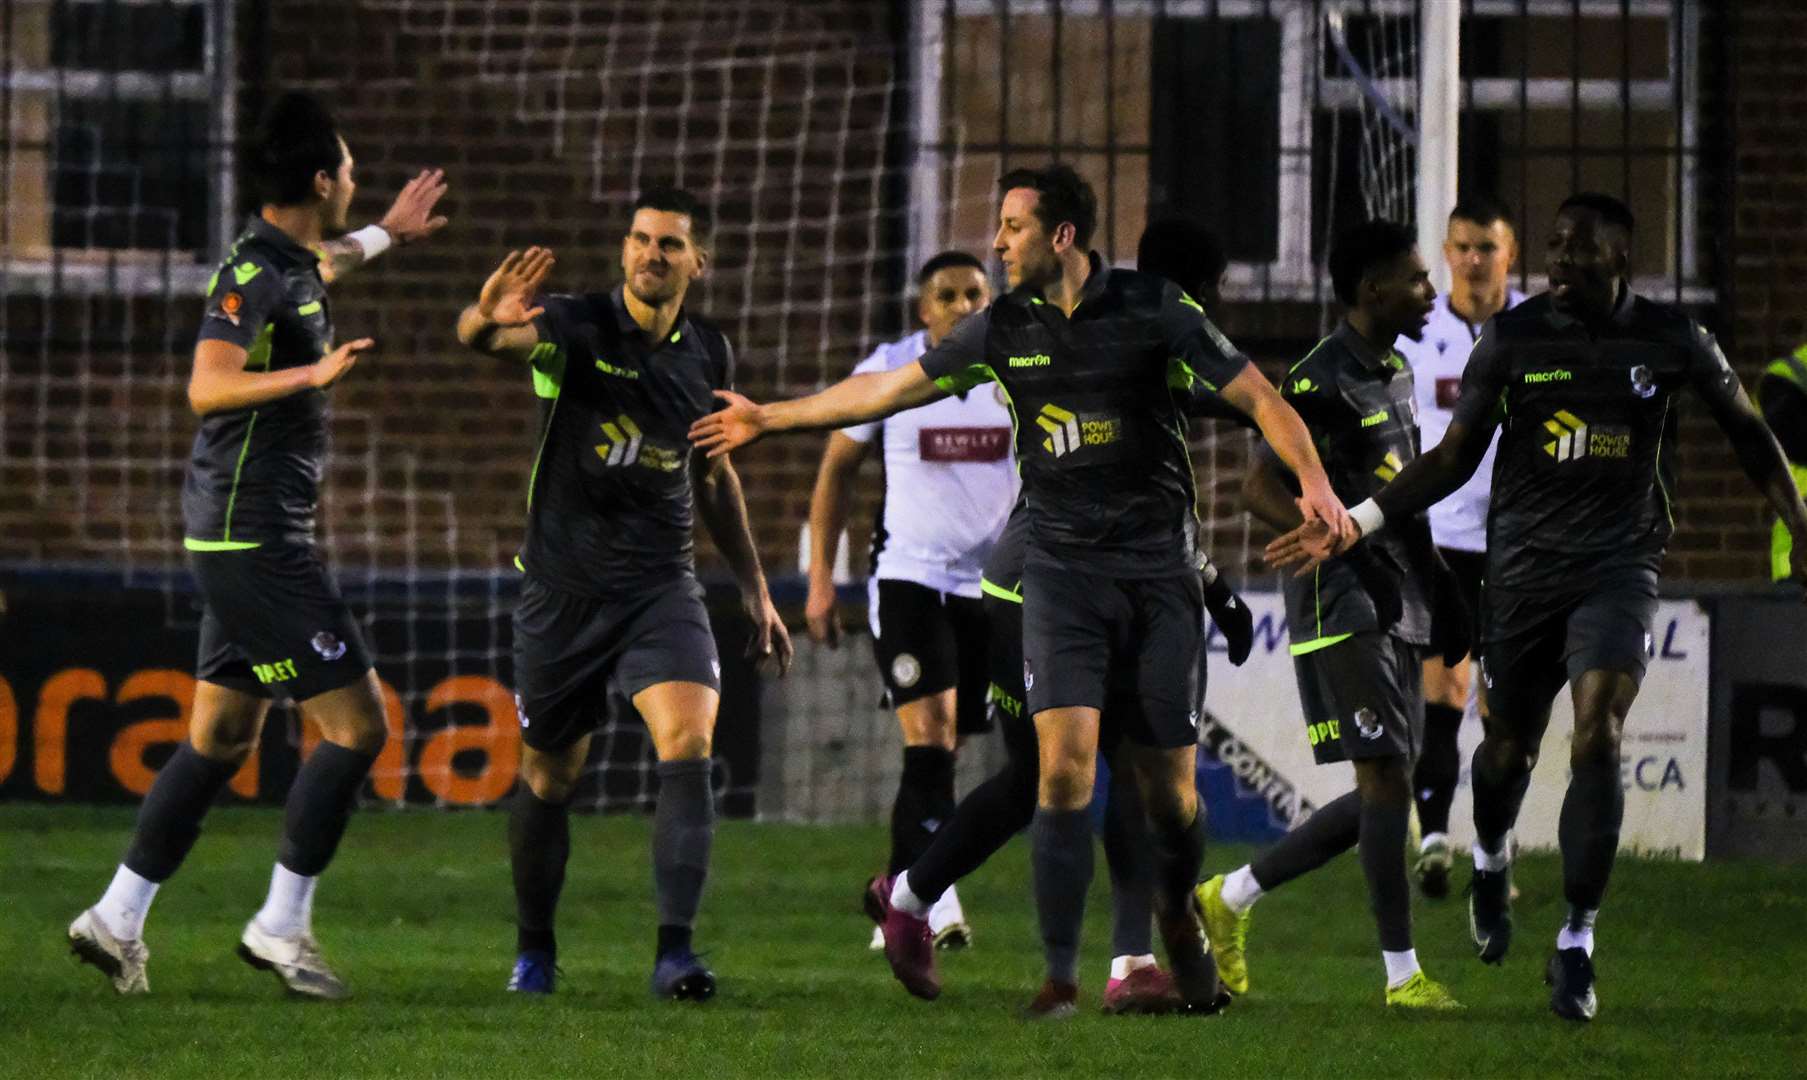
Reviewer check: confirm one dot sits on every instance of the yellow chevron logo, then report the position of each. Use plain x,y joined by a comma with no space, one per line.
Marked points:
1570,431
623,445
1389,467
1062,428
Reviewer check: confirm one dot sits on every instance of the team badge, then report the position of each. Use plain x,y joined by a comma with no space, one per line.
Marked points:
1028,677
905,670
328,646
1368,724
1643,383
230,305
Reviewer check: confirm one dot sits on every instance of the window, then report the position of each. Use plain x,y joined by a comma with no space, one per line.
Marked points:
115,149
1245,114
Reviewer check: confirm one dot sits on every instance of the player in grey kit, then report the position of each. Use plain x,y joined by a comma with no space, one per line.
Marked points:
1582,381
610,599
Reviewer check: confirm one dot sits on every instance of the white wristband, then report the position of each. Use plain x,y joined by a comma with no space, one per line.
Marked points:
1368,516
374,239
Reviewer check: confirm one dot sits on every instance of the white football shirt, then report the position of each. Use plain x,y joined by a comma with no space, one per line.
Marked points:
949,481
1460,521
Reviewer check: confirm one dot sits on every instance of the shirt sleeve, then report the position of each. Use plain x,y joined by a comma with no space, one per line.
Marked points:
1709,372
555,326
1197,351
958,363
241,303
1481,404
865,433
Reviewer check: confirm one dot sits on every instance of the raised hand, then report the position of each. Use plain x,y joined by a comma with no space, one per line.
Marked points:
410,217
508,292
738,423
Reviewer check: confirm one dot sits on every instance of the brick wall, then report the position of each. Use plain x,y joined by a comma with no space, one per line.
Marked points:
547,122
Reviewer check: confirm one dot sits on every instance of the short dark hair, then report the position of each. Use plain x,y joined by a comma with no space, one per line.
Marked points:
942,260
675,200
1182,250
1362,247
294,140
1482,209
1611,210
1064,196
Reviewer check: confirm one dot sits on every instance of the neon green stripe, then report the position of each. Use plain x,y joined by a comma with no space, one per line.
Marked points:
548,362
999,591
533,478
232,497
1308,355
192,544
308,308
1315,644
519,565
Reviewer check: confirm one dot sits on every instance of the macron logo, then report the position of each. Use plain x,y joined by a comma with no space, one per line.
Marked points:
1548,376
1038,360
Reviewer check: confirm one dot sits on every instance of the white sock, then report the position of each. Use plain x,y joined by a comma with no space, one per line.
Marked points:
904,900
1121,966
126,902
1493,861
289,909
1241,890
1401,966
1433,839
1578,931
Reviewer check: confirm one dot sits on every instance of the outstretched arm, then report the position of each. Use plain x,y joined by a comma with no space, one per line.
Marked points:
855,399
501,323
409,219
1265,494
1291,442
723,508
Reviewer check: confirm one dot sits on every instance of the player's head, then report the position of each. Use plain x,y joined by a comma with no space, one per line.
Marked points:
666,246
1045,213
1480,245
950,286
1375,269
296,158
1186,253
1590,253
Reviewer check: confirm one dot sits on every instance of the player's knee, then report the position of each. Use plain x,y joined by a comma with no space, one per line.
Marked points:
1384,781
549,779
1066,788
683,746
227,746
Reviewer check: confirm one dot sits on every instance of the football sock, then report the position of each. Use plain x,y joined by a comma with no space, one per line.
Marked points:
1401,966
1382,852
1588,830
539,843
1241,890
319,806
1578,930
984,822
672,939
1126,855
126,902
1179,853
1499,791
904,898
288,910
1122,965
170,817
1331,830
1439,767
1493,861
683,833
925,800
1061,845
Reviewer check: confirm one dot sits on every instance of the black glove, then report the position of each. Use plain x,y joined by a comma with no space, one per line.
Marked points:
1231,615
1450,618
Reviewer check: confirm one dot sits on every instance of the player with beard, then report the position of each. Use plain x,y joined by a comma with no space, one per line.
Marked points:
610,600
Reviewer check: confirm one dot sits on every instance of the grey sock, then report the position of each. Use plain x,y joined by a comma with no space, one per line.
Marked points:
683,832
1331,830
1383,829
1126,855
1061,843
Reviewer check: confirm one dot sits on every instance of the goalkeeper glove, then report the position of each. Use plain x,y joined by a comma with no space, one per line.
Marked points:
1229,613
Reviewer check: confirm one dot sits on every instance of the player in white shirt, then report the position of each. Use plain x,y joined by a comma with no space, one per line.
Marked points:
1480,248
949,486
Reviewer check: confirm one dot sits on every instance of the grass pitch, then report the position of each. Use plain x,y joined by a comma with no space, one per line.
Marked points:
1700,966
